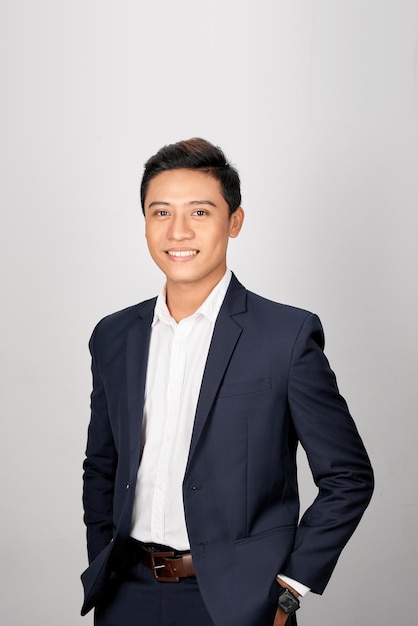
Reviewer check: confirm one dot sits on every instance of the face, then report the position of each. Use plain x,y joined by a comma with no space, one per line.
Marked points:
187,227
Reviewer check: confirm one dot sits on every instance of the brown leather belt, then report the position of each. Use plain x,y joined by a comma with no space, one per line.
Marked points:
168,566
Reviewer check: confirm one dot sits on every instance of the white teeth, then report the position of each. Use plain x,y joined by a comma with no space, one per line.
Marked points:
182,252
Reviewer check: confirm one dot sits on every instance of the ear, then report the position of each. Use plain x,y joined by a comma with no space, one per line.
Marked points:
235,222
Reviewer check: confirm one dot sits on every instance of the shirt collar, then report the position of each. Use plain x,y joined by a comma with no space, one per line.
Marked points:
209,308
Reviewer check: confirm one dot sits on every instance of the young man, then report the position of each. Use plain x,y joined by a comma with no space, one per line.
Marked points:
199,400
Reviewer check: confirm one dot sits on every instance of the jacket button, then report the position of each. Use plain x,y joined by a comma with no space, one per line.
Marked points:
127,486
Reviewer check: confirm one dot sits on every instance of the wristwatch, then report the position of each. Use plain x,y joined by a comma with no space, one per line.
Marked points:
288,602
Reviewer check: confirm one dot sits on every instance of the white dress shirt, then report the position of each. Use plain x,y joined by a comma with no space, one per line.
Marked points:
177,358
176,361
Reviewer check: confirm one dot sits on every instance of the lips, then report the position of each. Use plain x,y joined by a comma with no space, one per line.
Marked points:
182,253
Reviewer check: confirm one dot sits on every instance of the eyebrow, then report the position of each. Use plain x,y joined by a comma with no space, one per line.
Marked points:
192,203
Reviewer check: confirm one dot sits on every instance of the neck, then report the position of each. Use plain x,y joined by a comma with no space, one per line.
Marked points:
183,299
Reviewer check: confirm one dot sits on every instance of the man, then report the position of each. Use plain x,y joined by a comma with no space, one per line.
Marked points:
199,400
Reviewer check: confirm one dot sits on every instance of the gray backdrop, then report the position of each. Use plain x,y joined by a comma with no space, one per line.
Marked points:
316,103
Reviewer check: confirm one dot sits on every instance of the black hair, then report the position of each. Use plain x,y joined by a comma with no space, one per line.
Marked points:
195,154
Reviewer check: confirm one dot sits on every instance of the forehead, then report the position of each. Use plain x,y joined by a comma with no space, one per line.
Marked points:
183,184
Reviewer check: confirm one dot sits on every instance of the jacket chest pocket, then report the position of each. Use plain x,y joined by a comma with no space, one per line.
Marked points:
244,388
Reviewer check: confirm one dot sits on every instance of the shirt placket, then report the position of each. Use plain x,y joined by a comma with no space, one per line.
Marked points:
176,375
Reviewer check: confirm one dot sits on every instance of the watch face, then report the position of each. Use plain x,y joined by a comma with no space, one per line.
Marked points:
287,602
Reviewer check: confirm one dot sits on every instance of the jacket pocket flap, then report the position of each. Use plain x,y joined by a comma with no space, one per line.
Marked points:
245,387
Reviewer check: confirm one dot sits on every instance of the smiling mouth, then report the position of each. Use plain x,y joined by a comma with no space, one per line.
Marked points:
182,253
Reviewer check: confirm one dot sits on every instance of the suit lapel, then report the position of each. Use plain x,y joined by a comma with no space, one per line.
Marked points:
225,337
137,356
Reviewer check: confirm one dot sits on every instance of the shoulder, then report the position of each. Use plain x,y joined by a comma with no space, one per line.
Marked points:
270,307
245,300
273,318
292,321
120,322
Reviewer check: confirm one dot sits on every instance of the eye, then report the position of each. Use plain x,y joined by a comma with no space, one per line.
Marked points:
200,212
161,213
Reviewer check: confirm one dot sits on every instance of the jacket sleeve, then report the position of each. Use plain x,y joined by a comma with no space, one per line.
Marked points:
338,460
99,467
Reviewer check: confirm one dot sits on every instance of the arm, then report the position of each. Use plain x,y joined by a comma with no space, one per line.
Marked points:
99,467
337,458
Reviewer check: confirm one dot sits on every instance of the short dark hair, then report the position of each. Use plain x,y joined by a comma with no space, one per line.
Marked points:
195,154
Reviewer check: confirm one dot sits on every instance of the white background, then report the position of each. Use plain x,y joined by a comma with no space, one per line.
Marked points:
316,103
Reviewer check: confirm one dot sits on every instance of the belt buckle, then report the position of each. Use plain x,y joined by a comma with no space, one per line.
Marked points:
156,566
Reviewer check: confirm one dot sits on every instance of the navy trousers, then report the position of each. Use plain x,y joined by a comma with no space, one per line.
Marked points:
139,600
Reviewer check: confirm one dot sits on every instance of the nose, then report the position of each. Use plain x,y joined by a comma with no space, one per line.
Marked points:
179,228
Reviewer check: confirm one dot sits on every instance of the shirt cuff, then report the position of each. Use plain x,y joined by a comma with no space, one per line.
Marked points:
297,586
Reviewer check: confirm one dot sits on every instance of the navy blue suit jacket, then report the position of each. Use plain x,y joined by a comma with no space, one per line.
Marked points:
266,386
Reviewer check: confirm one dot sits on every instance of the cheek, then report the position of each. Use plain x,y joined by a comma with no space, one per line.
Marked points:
153,250
220,240
151,237
148,240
